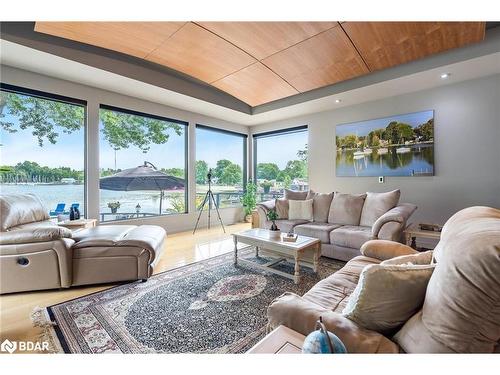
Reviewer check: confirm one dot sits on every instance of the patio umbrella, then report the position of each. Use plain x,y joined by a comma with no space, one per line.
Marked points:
143,177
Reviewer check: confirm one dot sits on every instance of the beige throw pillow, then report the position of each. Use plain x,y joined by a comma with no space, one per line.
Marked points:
377,204
346,209
388,295
300,210
296,195
281,206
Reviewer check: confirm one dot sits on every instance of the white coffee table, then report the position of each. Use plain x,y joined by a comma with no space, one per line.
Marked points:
305,251
282,340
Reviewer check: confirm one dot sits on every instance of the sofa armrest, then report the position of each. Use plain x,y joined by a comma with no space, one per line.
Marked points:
300,315
383,250
262,209
398,214
40,234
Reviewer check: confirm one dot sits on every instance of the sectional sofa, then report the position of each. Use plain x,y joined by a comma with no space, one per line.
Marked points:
343,222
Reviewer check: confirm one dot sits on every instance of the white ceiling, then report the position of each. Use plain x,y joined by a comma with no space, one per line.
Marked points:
22,57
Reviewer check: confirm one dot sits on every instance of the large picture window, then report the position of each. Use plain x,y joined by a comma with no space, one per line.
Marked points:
43,148
280,161
142,165
225,153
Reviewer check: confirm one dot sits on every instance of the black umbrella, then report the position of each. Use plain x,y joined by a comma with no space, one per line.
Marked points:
143,177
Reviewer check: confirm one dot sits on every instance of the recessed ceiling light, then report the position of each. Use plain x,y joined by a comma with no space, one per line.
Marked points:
337,100
445,75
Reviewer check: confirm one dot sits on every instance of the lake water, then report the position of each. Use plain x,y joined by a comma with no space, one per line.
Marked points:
51,195
418,161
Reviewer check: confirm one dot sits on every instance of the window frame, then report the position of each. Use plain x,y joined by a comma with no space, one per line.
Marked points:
186,151
269,134
61,99
245,148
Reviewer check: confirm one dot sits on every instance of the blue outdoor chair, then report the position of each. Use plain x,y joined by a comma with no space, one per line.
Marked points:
59,209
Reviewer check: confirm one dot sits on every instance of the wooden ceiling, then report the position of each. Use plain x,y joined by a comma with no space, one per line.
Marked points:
259,62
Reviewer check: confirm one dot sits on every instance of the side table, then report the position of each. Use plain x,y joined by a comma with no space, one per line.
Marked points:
413,231
78,224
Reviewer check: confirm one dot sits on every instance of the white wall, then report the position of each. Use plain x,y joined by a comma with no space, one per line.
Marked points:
467,147
94,97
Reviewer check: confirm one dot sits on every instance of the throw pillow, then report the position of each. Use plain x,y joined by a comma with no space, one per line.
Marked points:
295,195
420,258
321,206
377,204
281,206
346,209
388,295
300,210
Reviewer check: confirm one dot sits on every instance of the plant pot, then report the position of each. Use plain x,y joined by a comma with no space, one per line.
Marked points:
267,189
248,218
274,234
114,210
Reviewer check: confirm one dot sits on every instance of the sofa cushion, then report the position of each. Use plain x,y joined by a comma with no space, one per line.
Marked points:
17,209
461,308
281,206
321,206
300,210
350,236
388,295
332,292
377,204
288,225
296,195
321,231
345,209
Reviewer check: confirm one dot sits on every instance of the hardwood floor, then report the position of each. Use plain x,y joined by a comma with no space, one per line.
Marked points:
181,249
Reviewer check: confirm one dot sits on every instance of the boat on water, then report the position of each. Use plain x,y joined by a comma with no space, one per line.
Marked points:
359,153
367,151
403,150
382,151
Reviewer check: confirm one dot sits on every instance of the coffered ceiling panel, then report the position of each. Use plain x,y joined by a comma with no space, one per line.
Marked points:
386,44
262,39
132,38
322,60
201,54
247,85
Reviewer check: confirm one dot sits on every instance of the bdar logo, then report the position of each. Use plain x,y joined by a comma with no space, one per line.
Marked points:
8,346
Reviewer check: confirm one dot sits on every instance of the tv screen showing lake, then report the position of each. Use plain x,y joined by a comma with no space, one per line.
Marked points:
400,145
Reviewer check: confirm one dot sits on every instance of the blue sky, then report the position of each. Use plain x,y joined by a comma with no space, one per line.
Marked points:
364,127
280,149
210,146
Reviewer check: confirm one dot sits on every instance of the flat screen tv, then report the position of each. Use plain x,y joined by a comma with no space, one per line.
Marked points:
399,145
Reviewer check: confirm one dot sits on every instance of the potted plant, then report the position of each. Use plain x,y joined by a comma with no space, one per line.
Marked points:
272,215
249,200
114,206
266,185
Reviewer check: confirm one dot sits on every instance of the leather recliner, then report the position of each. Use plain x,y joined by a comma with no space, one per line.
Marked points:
37,254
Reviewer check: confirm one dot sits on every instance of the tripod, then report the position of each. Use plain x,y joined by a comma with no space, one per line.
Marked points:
209,197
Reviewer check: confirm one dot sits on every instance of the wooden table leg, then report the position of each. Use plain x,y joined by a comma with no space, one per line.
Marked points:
317,254
296,275
235,240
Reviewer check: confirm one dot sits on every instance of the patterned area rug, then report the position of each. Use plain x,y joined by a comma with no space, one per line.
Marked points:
205,307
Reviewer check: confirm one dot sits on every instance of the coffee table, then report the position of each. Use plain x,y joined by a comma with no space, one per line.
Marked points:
305,251
282,340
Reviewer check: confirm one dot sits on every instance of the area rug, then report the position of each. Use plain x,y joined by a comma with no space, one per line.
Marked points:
207,307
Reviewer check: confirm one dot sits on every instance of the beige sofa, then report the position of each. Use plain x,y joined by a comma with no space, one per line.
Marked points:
37,254
461,309
344,222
